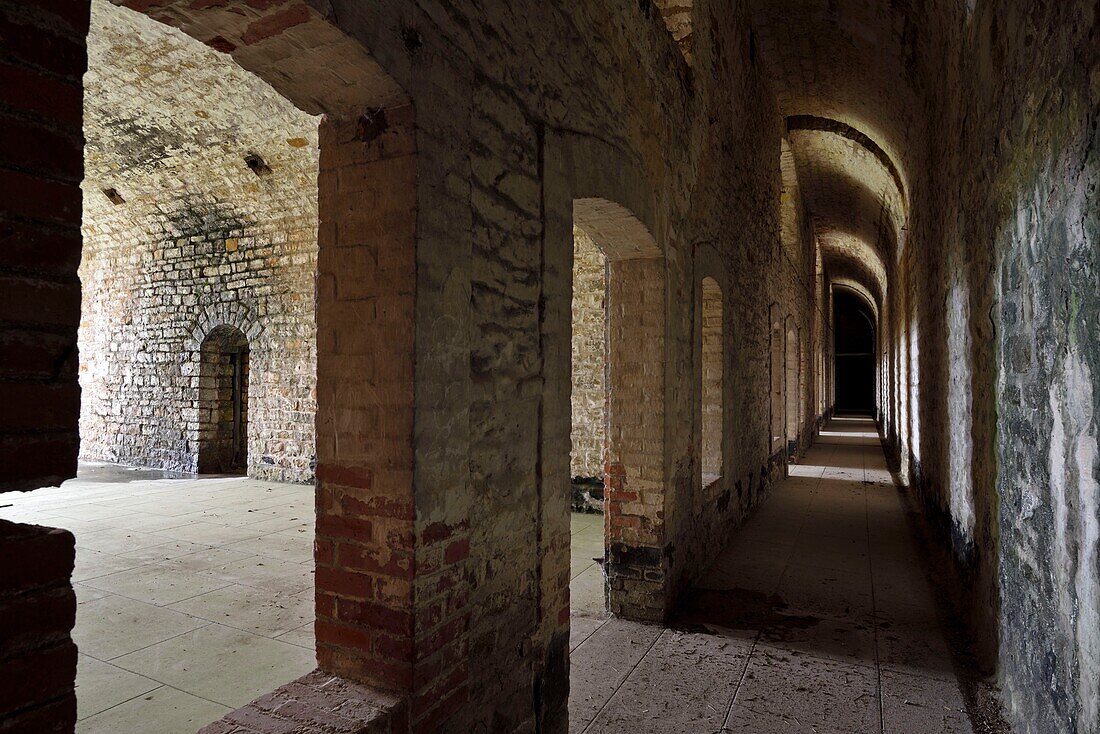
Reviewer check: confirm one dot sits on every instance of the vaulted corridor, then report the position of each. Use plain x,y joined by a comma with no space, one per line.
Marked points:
648,366
818,617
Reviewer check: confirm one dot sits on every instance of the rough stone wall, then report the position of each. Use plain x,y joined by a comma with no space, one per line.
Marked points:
197,240
589,396
995,343
1046,189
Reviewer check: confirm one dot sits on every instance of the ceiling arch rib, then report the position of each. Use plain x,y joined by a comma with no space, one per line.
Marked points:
850,192
860,290
837,245
849,61
841,72
836,127
843,267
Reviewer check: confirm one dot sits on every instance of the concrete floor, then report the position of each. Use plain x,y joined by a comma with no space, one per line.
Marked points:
195,596
816,618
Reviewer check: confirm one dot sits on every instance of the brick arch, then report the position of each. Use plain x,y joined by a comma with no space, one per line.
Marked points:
825,124
288,45
615,229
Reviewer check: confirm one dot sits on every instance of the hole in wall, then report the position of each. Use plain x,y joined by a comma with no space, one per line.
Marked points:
257,164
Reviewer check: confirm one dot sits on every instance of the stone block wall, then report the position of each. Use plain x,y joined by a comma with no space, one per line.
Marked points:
182,236
589,382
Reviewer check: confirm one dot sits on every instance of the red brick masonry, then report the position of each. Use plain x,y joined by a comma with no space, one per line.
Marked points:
317,703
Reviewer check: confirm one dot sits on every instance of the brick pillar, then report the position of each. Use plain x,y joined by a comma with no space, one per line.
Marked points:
365,540
37,613
392,591
42,60
635,470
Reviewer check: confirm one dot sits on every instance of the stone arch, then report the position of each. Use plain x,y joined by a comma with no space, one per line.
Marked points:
234,315
213,321
860,291
367,254
222,402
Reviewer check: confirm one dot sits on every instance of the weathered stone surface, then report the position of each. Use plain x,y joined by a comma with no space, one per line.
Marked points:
195,240
589,354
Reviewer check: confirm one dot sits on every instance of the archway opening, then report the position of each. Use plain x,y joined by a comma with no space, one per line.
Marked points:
711,386
776,378
222,329
617,456
792,371
854,351
223,402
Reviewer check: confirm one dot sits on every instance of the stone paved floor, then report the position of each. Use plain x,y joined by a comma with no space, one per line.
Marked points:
194,596
816,618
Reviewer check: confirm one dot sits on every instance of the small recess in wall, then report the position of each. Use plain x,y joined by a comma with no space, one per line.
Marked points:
371,124
257,164
114,196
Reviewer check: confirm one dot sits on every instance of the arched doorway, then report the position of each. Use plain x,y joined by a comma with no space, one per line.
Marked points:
854,353
791,387
223,402
618,370
776,377
365,227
